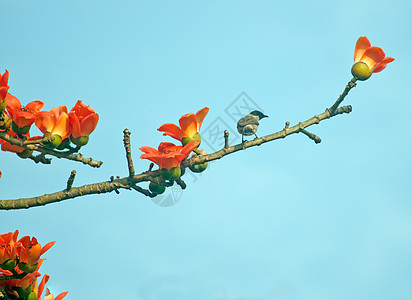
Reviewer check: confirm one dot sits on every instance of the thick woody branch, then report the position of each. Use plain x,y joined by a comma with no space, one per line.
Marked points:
66,155
130,182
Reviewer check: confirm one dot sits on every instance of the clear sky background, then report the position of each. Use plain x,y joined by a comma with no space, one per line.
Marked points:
287,220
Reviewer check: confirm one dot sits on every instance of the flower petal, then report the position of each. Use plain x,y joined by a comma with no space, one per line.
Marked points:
45,121
34,107
88,124
188,124
372,57
382,64
148,150
172,130
61,296
46,247
200,115
361,45
4,78
62,126
13,104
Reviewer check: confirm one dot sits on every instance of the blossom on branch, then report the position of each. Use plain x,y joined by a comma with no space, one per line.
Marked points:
3,89
189,127
83,121
368,59
22,117
20,151
54,123
168,157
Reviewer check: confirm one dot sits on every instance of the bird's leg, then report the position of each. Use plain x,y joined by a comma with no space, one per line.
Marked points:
255,135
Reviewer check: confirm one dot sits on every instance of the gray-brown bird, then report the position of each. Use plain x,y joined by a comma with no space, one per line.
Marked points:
248,125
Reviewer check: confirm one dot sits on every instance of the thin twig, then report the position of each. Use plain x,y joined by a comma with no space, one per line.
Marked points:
312,136
351,84
67,155
126,142
70,180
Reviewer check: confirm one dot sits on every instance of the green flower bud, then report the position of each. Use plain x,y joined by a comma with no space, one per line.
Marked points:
53,144
80,141
156,188
171,174
18,130
361,71
9,264
187,139
25,154
200,167
24,293
64,144
27,268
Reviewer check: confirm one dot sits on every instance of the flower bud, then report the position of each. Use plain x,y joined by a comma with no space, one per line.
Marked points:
156,187
171,174
361,71
25,154
187,139
53,144
9,264
80,141
23,130
64,144
27,268
200,167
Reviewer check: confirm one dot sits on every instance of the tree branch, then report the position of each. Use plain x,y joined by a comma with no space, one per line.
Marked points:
67,155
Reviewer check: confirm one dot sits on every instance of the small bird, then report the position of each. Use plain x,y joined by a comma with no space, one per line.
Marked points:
248,125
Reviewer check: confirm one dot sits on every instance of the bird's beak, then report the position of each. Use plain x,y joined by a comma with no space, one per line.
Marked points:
265,116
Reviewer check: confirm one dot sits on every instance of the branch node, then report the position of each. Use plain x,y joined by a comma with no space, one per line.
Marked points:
287,125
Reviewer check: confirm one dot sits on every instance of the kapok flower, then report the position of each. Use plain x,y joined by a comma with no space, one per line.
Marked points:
3,89
83,121
23,117
29,252
368,59
8,243
168,157
54,123
37,290
189,127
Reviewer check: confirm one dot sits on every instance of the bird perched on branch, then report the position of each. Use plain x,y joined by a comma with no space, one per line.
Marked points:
248,125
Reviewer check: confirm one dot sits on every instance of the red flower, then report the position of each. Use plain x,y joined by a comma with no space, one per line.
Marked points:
23,117
3,87
55,121
83,120
8,246
30,250
368,59
168,155
189,126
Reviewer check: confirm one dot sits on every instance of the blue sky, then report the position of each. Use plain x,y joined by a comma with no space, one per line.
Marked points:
287,220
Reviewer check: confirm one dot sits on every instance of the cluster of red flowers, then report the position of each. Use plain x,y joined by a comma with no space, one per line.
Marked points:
168,156
19,268
60,124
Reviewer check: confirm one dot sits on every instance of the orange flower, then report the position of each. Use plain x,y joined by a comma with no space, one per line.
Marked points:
8,246
55,121
3,88
30,250
168,155
189,127
50,296
368,59
23,117
83,120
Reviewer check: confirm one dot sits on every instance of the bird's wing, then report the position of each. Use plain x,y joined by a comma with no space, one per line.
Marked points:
248,120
